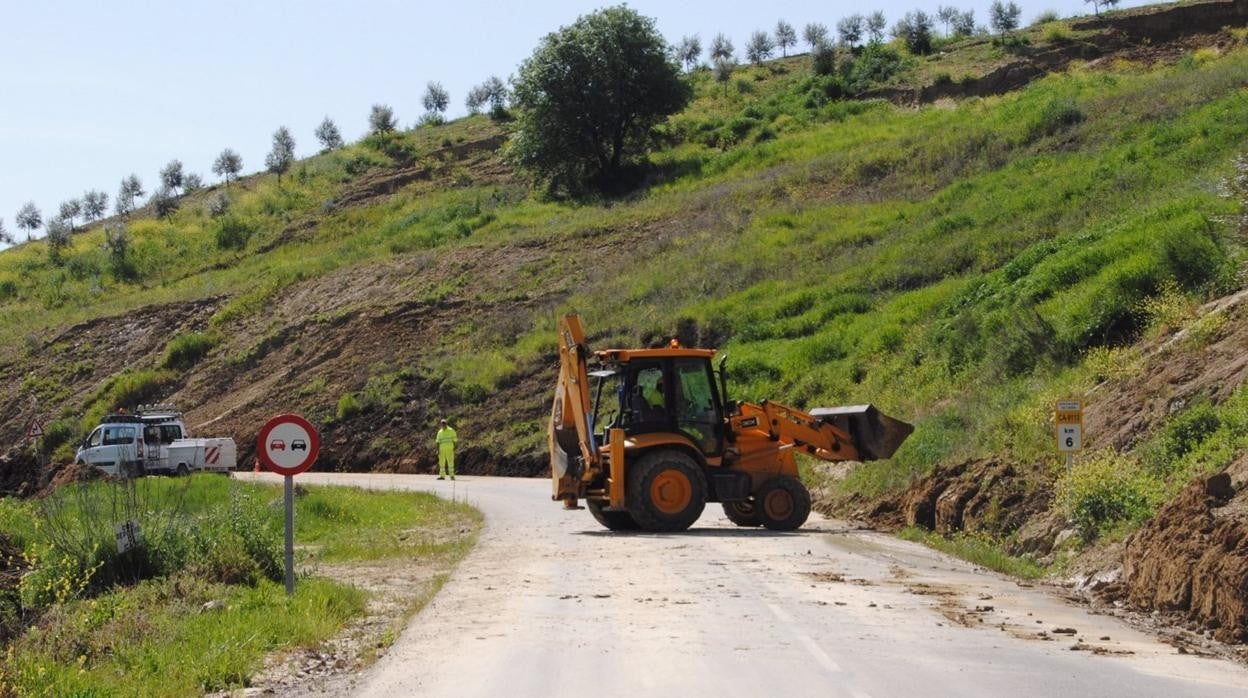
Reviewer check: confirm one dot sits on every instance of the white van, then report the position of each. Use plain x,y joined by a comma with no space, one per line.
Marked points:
116,446
154,440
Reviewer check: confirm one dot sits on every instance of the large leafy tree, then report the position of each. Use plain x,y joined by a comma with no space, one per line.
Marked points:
589,97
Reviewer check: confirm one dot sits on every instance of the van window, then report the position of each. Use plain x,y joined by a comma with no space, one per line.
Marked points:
118,436
170,433
94,439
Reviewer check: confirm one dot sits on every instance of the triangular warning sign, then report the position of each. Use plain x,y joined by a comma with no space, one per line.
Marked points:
35,430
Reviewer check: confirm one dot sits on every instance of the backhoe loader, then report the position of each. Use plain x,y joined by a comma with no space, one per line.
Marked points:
646,437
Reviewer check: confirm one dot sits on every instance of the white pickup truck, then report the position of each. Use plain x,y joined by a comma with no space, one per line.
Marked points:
153,440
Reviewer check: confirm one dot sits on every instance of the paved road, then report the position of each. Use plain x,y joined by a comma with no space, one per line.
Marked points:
549,604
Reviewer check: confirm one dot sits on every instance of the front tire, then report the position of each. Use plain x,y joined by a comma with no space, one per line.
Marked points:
666,491
613,520
783,503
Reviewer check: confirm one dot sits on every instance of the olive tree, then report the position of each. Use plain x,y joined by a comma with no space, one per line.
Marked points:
69,210
171,176
29,219
128,192
1004,17
381,119
722,48
1098,4
876,23
964,23
436,99
915,30
689,50
227,165
815,34
57,232
327,133
282,156
786,36
94,204
165,202
723,71
589,97
759,47
850,29
192,183
5,238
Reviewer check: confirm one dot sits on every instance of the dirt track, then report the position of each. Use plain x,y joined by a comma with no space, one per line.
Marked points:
551,604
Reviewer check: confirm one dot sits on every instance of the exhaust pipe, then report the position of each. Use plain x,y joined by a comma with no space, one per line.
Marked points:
876,435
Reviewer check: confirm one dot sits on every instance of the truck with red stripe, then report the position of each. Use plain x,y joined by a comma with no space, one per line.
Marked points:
154,440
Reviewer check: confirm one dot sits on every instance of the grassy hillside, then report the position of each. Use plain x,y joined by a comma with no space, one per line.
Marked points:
959,265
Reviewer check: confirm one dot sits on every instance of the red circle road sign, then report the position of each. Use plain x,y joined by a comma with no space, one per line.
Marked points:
288,444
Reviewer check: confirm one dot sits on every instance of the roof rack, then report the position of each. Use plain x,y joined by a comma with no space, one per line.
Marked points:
158,408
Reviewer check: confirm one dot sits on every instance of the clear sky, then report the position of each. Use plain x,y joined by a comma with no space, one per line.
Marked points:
91,91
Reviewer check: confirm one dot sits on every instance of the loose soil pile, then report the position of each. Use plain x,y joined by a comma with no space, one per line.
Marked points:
1192,559
20,474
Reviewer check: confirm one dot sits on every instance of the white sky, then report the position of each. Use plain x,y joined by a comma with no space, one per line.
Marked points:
91,91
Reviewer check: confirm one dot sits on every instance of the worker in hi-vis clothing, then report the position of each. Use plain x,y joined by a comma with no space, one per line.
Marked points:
446,451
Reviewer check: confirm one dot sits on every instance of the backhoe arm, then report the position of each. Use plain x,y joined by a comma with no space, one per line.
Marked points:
571,439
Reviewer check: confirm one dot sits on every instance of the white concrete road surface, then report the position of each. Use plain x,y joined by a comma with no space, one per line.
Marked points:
550,604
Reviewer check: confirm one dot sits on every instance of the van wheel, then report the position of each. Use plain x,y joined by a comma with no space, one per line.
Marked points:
183,471
666,491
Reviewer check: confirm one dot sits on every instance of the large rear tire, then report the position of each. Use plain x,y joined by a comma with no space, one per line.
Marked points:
783,503
743,513
613,520
666,491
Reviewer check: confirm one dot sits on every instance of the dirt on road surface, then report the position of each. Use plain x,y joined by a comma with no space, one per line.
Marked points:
550,604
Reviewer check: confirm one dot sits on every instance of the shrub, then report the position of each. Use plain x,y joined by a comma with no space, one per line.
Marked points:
823,59
1056,32
348,406
184,351
1056,116
1191,255
233,233
1105,490
1184,433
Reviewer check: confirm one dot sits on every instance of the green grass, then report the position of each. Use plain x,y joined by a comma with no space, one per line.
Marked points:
978,550
152,637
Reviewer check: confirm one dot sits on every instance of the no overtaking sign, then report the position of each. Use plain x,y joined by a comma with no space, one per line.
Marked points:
288,445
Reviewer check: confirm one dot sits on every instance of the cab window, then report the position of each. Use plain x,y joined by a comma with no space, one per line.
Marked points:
696,415
647,396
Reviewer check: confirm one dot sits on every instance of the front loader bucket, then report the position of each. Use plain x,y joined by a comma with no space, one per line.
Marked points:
876,435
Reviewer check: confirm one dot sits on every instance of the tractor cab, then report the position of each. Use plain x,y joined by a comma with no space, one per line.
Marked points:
670,391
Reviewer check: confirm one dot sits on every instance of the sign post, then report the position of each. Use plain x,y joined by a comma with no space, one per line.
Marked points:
288,445
1068,418
34,432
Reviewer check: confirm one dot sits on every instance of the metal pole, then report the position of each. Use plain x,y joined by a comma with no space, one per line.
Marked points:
290,535
1070,461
